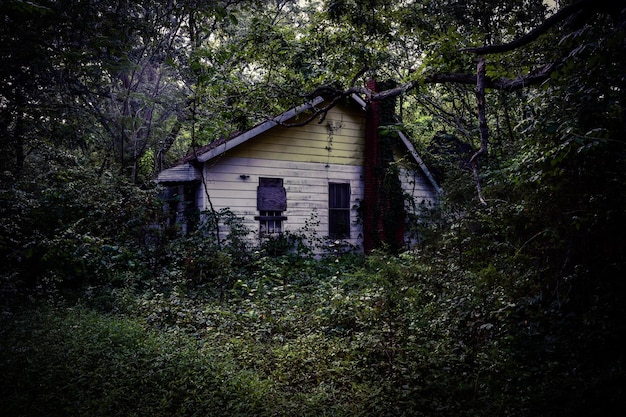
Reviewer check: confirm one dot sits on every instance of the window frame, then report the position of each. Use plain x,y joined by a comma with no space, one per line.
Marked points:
271,218
339,207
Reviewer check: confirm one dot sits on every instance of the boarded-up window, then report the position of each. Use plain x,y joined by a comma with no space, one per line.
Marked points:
271,195
339,210
271,202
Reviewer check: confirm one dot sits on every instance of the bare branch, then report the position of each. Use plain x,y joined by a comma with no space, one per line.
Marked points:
505,84
448,118
357,75
321,112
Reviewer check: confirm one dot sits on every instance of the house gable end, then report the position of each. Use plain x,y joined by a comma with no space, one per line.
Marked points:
337,140
257,130
341,149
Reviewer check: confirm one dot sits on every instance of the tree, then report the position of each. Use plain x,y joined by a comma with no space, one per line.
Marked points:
107,79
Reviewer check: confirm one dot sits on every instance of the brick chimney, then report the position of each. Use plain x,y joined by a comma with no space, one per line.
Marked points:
372,224
383,214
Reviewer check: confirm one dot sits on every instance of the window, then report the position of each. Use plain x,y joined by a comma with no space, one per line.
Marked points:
339,210
270,222
181,205
271,203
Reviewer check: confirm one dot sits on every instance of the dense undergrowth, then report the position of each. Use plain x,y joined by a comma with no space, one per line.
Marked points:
347,335
369,340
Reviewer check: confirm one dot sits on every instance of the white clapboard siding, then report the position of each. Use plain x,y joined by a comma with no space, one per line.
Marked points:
414,183
414,180
233,184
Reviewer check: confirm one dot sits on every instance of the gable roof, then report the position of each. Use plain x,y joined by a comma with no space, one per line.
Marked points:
187,172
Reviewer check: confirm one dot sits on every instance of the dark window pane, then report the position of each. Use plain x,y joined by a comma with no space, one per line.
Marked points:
339,210
338,196
270,182
339,224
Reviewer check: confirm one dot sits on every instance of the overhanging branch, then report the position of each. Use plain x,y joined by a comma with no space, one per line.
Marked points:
549,23
505,84
482,124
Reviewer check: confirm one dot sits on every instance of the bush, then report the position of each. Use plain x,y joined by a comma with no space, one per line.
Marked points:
76,362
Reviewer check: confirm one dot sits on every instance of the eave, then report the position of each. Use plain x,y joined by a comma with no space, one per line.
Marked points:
183,173
419,161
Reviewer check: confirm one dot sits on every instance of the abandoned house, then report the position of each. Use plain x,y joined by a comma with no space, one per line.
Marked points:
365,186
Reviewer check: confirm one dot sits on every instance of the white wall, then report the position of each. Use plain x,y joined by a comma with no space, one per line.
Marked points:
306,185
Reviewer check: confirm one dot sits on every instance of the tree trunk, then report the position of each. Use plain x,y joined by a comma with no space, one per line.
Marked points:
482,126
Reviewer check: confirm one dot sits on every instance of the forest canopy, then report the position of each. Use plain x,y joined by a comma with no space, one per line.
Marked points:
512,303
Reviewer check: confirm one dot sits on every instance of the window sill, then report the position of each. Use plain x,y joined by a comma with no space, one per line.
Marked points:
270,218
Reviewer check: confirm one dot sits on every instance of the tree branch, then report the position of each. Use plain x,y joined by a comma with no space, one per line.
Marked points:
550,22
505,84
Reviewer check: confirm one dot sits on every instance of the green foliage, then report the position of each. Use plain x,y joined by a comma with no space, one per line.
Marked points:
406,335
71,226
211,254
75,362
